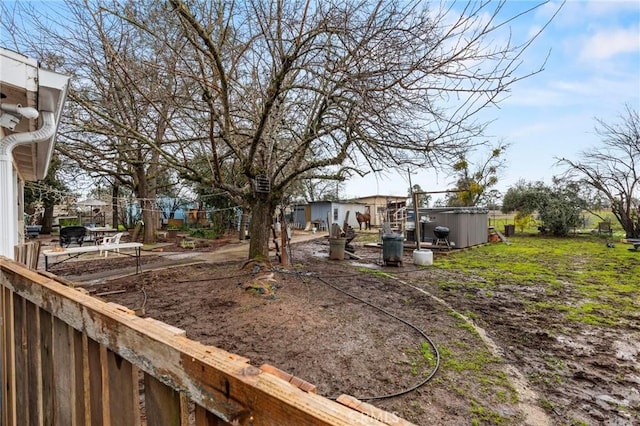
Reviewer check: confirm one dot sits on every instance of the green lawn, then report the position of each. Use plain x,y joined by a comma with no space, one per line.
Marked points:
583,277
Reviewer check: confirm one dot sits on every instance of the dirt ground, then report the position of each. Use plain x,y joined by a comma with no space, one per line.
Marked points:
356,327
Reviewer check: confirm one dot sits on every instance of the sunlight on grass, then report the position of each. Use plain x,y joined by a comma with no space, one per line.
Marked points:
597,285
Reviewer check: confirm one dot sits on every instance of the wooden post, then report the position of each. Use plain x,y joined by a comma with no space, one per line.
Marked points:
283,241
416,219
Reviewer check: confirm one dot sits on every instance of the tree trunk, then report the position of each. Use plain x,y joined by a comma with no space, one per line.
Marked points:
47,220
149,219
631,228
629,225
262,210
146,193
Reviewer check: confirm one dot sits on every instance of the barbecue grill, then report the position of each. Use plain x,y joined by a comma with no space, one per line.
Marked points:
442,236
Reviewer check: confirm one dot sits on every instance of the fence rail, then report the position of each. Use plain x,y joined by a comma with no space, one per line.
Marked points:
71,359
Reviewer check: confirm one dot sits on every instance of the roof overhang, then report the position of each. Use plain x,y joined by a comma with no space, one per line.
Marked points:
24,83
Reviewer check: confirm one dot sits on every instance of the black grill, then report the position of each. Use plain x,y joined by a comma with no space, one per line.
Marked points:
441,231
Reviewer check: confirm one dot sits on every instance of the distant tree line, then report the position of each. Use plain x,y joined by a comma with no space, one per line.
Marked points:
607,176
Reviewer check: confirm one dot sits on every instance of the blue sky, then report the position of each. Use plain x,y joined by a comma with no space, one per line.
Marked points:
593,70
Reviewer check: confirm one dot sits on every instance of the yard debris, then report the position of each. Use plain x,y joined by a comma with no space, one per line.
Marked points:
187,243
263,284
263,281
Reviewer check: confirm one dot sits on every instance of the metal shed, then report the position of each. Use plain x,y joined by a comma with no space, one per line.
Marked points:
467,225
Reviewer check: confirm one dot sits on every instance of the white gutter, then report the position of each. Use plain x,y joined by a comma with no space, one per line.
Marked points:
8,190
47,131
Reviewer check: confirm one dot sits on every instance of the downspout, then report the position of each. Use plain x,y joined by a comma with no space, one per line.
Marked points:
8,188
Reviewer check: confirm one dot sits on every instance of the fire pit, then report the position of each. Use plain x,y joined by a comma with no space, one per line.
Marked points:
442,236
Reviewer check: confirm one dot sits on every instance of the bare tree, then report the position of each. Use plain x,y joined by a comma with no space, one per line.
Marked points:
320,189
282,92
613,169
294,89
123,97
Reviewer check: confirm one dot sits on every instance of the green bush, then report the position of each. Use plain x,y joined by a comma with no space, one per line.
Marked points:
69,222
559,206
203,233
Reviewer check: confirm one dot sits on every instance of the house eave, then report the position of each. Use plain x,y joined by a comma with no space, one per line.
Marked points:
24,83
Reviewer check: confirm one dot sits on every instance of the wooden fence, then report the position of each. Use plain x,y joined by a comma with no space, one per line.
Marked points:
71,359
27,254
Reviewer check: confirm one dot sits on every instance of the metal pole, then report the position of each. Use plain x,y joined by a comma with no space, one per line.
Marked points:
416,220
414,200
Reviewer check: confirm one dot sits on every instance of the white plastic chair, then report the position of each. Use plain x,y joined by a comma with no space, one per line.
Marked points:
110,240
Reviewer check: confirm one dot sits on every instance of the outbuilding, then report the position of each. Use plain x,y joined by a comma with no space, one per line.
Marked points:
468,226
321,214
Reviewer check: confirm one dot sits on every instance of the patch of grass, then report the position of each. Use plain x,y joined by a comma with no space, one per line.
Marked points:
367,237
471,315
482,415
545,404
600,314
427,354
473,360
585,280
449,285
546,378
421,360
485,383
462,322
375,272
554,363
498,383
575,422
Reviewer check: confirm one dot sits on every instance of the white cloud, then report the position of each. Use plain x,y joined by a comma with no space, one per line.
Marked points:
605,44
610,7
576,13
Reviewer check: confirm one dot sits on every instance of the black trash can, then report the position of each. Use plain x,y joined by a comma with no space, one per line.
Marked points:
392,249
411,234
509,230
424,232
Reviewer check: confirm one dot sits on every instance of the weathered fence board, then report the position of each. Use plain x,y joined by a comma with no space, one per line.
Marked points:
46,366
8,389
124,406
20,365
161,402
97,394
80,395
27,254
34,363
63,375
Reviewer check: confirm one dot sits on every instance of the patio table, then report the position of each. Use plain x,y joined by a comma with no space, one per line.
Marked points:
74,252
